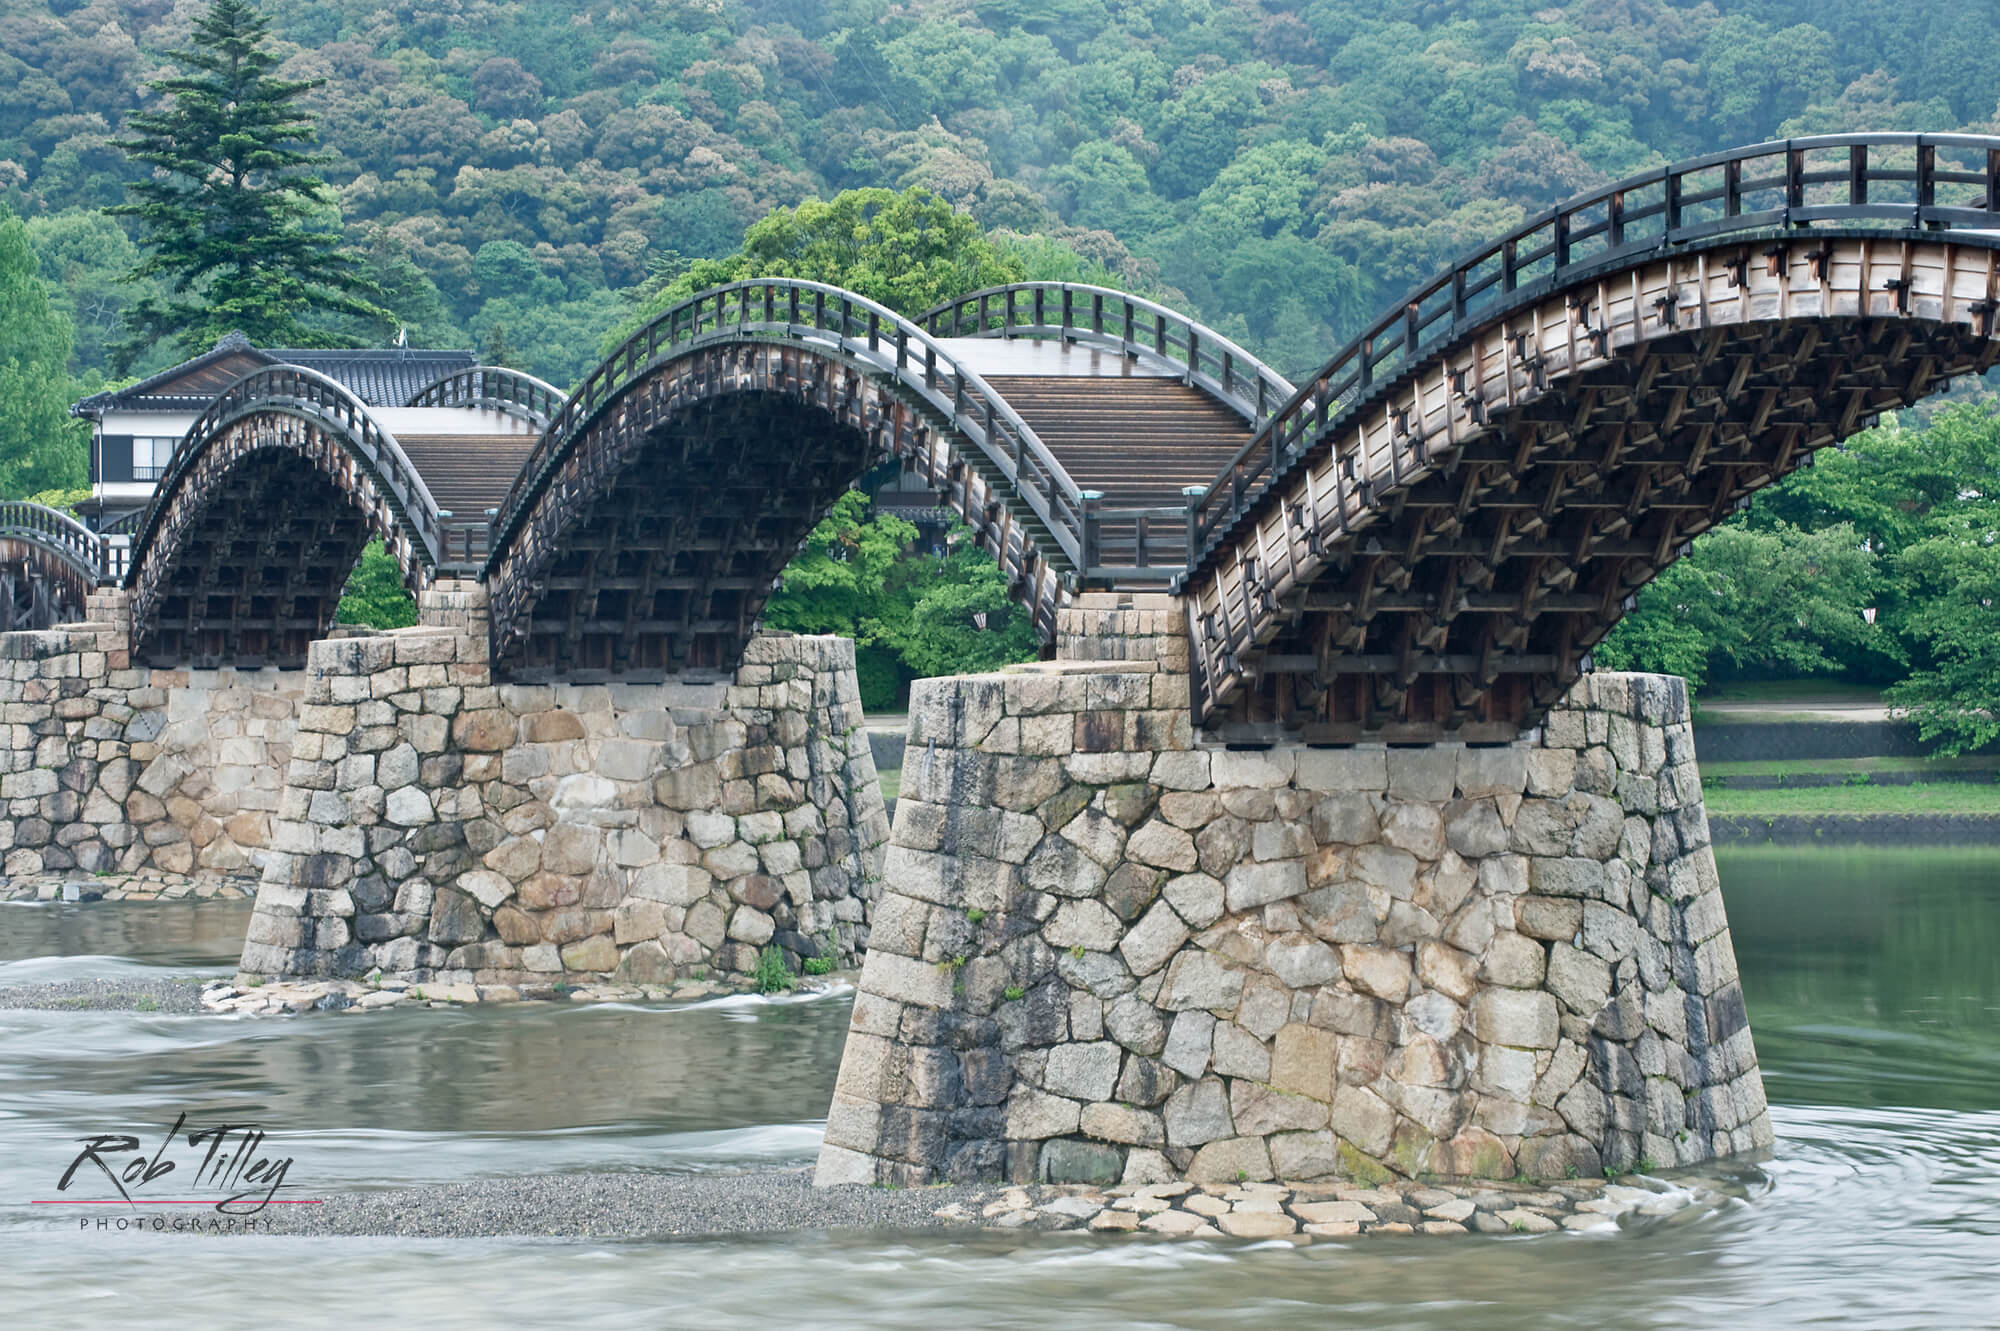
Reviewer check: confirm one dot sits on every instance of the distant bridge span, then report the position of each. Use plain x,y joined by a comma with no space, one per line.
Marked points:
48,563
271,495
1423,542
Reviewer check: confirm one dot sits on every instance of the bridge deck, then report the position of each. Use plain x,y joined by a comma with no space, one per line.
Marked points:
1120,424
1138,439
467,458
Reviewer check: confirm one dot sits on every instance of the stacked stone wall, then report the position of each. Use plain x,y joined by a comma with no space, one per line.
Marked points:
1147,629
107,767
438,827
1106,952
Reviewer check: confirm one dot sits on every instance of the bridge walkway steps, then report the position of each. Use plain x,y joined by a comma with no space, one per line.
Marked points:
467,457
1126,426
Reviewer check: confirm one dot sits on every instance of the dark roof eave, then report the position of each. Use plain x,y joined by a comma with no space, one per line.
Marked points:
97,403
134,395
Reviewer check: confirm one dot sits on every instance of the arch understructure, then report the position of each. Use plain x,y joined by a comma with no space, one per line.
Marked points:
648,530
267,503
1428,540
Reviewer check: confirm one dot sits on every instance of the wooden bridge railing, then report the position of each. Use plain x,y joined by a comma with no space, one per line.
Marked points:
1897,181
125,524
57,532
1134,546
1130,325
496,388
871,336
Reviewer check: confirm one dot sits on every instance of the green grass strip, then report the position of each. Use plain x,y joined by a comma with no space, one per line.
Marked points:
1944,797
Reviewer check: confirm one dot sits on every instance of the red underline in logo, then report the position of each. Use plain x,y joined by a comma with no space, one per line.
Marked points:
114,1201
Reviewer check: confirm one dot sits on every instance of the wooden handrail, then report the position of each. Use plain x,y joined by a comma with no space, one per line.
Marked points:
57,532
1109,318
497,388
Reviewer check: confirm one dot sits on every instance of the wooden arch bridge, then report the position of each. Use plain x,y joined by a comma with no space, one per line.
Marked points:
1423,542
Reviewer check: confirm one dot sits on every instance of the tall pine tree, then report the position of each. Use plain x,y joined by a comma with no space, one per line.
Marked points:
226,207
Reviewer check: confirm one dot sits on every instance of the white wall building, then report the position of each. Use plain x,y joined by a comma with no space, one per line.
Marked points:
134,430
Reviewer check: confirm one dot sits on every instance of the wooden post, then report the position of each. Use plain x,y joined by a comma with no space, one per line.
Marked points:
1093,502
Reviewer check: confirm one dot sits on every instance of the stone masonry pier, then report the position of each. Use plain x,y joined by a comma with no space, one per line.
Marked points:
108,767
438,827
1105,951
408,815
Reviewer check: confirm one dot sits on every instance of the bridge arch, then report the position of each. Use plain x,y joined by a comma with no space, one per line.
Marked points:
647,528
496,388
1426,541
49,563
266,504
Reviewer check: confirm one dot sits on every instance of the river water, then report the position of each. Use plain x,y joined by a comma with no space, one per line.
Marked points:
1874,988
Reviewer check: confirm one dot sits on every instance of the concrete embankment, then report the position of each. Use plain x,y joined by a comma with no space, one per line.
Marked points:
1855,829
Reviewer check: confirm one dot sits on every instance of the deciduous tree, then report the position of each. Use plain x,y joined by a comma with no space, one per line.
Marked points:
41,447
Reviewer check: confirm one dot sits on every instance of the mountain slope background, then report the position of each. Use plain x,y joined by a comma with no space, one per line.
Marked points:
1282,169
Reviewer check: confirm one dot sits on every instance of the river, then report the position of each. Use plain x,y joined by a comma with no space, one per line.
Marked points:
1873,981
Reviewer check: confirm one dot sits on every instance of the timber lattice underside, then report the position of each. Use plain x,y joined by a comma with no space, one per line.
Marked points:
251,562
660,534
1443,570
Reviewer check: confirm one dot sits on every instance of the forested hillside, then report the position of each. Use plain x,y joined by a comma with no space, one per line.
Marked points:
1284,167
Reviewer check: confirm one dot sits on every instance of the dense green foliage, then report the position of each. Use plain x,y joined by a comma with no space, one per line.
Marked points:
226,203
1779,602
41,448
1286,166
375,596
908,250
1954,581
1880,563
935,614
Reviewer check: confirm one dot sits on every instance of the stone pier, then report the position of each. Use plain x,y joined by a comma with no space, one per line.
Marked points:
107,767
438,827
1106,951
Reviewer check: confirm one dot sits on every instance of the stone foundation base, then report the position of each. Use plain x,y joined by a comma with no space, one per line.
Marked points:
1105,952
108,768
438,828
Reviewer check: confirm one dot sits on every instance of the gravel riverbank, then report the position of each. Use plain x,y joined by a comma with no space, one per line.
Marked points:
634,1205
133,993
625,1206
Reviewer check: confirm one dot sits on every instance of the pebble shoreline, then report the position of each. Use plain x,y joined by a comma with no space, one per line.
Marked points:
775,1201
180,995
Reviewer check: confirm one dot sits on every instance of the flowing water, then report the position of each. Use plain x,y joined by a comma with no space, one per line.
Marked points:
1874,989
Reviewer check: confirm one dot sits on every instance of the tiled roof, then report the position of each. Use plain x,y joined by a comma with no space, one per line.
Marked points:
380,377
386,378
